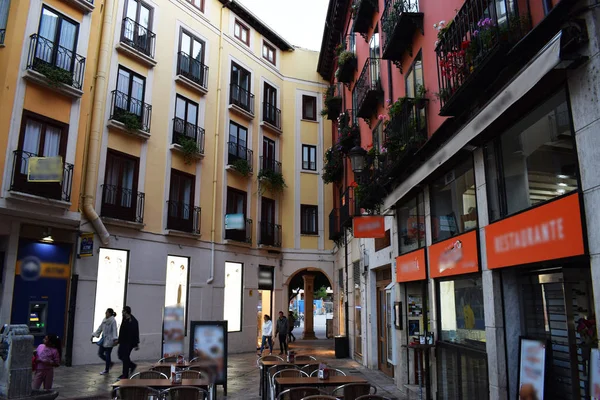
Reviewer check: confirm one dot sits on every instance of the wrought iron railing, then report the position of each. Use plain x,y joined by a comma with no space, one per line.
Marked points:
132,112
406,132
238,152
51,190
183,217
192,69
270,234
270,164
122,203
240,235
362,13
57,63
2,34
367,86
241,98
392,15
138,37
348,207
335,230
272,115
183,130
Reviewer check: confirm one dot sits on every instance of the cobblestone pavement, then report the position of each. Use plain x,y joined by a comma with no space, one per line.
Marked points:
85,381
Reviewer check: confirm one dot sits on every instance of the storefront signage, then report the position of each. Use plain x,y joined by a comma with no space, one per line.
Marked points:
454,256
369,227
532,368
266,276
548,232
45,169
411,267
86,244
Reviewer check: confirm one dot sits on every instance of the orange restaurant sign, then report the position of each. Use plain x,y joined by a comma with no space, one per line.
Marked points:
411,266
454,256
368,227
547,232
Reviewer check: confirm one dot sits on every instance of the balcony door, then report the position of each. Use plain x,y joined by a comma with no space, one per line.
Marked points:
192,58
270,99
240,92
57,40
374,51
181,201
236,204
268,152
119,194
130,93
238,140
136,28
267,221
186,119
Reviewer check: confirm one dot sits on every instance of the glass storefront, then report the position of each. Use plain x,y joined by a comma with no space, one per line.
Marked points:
411,224
461,309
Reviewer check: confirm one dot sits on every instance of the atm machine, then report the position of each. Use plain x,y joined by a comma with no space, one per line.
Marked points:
38,318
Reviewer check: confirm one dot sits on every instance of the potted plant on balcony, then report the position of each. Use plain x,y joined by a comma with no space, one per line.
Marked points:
420,93
54,75
189,148
333,104
370,195
271,180
333,168
349,133
242,166
346,66
129,119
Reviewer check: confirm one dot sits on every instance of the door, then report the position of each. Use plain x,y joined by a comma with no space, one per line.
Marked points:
120,196
236,204
129,97
268,154
238,136
374,55
181,201
240,89
270,109
267,223
384,277
136,28
57,40
191,62
186,119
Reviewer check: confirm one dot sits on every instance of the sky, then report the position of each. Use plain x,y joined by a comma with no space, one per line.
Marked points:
301,22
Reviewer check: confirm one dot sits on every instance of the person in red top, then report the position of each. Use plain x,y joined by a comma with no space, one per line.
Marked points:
47,358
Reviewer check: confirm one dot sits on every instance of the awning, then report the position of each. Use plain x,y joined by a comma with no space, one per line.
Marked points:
542,63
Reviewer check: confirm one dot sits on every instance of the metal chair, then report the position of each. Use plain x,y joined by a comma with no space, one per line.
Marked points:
205,372
168,360
310,368
332,372
353,390
185,393
268,358
285,373
195,359
149,375
372,397
191,374
320,397
137,393
298,393
165,369
305,358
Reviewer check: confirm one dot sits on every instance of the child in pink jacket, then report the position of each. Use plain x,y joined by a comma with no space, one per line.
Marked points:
47,358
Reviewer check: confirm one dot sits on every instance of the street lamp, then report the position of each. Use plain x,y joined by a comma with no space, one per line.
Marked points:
357,158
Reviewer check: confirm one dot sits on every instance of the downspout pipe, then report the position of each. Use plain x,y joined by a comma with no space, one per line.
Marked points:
213,226
93,156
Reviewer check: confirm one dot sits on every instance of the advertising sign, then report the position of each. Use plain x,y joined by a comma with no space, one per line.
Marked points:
548,232
455,256
173,331
532,367
235,222
368,227
208,342
86,244
411,266
266,276
45,169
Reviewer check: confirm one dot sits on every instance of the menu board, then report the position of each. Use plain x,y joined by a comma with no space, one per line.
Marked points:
532,367
208,342
173,331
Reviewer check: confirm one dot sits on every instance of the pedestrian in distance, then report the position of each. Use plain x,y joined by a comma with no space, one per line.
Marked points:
46,358
291,324
282,331
129,339
108,329
267,333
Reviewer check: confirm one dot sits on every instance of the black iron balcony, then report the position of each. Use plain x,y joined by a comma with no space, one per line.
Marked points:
270,234
241,97
183,217
472,50
333,101
138,37
238,152
50,190
2,33
122,203
240,235
399,22
183,131
192,69
362,13
405,133
57,63
132,112
348,208
335,230
270,164
367,90
272,115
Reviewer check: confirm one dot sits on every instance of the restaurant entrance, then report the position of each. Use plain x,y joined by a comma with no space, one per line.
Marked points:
383,279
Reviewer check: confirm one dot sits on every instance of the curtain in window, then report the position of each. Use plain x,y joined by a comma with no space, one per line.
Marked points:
137,96
127,184
187,196
51,142
66,41
48,25
31,142
123,89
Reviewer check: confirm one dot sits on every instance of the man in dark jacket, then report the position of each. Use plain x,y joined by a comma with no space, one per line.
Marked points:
282,332
129,339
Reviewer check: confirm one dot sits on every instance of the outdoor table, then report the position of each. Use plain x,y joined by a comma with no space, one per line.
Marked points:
264,366
187,364
282,384
163,384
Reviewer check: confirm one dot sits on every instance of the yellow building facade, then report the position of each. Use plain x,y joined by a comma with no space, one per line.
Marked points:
196,141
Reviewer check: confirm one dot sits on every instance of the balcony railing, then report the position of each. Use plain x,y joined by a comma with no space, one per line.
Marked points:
335,231
239,152
183,217
2,34
240,235
270,164
138,37
122,203
270,234
183,130
368,91
132,112
472,50
400,20
57,63
50,190
405,133
241,97
192,69
362,13
272,115
348,207
333,101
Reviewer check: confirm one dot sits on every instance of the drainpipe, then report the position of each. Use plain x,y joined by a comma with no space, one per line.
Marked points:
93,158
216,153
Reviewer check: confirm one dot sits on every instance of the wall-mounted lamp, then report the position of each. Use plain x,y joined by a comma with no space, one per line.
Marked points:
47,237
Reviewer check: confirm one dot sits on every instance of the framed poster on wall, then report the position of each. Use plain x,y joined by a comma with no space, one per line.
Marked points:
208,342
532,367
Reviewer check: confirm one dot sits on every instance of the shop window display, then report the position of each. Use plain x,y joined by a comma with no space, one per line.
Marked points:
411,224
462,316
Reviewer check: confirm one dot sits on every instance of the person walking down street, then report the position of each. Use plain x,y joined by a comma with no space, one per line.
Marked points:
108,329
47,357
267,333
282,331
291,324
129,339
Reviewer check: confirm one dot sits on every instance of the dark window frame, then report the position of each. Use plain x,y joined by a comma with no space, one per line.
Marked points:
413,196
180,195
309,161
237,192
243,28
201,7
56,39
187,103
410,73
238,127
117,210
305,211
137,14
272,49
240,70
45,121
183,31
129,87
305,102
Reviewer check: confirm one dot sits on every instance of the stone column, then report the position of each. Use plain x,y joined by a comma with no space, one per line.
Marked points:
309,288
8,281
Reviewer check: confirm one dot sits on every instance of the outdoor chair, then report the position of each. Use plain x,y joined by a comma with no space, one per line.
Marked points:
138,393
353,390
185,393
332,372
320,397
149,375
305,358
168,360
310,368
205,372
191,374
298,393
165,369
285,373
372,397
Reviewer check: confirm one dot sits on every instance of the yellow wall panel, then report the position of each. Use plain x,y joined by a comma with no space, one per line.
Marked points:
309,242
42,100
124,143
178,163
308,189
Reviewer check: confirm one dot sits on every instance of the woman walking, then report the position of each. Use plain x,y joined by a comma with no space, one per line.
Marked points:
267,333
108,329
47,357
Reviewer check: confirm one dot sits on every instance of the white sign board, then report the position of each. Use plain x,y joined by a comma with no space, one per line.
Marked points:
532,366
595,374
